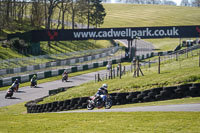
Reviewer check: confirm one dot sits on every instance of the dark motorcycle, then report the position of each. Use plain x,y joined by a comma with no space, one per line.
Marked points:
9,93
65,78
97,102
33,84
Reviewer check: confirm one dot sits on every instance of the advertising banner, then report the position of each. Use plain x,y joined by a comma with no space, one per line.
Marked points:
116,33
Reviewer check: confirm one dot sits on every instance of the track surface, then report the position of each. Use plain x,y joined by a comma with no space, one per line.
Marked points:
163,108
27,93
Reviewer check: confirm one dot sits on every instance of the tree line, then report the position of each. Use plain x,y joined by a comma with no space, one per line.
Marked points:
52,13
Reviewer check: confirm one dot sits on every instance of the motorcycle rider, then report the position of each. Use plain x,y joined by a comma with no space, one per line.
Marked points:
34,80
102,92
65,75
9,92
15,85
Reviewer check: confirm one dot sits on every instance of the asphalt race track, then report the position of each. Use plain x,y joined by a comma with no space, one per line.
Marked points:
26,93
163,108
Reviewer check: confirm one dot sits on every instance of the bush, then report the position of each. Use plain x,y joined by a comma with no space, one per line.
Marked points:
19,45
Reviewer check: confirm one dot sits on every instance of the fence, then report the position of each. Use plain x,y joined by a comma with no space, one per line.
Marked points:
162,59
42,66
24,61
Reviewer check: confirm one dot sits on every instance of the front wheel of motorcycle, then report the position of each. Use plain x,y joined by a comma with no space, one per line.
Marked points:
108,104
90,106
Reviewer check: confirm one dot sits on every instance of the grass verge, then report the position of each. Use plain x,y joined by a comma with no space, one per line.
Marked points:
14,119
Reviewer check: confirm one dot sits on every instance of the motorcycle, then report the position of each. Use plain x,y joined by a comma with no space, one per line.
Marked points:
33,83
9,93
65,78
98,102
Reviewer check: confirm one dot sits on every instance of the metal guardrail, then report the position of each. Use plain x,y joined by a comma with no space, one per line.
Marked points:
104,54
21,62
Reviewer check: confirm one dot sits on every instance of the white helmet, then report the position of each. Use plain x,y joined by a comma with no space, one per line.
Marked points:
105,86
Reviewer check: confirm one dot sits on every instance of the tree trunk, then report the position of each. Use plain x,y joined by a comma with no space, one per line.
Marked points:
45,8
63,19
73,12
88,14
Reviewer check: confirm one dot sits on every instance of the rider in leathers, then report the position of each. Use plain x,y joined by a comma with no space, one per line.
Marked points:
34,79
102,92
15,85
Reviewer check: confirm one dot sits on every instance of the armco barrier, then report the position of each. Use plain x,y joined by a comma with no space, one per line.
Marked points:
71,61
155,94
47,74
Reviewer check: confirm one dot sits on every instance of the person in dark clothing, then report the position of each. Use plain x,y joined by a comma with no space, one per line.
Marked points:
102,92
65,76
34,81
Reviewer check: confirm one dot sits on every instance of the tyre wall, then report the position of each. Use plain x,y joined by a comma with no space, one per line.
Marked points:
155,94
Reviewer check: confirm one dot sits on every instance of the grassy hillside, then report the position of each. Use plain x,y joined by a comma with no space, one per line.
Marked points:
130,15
59,47
172,73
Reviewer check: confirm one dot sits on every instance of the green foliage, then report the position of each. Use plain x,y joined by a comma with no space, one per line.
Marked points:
97,13
18,44
193,78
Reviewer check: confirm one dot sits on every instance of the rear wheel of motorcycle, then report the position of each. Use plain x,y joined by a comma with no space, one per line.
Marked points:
90,106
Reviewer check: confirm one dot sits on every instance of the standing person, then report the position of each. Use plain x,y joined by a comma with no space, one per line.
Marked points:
109,65
118,69
118,66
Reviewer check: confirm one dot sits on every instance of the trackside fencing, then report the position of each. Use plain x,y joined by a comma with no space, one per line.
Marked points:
18,65
136,65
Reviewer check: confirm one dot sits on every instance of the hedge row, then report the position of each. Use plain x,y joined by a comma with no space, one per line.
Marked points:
155,94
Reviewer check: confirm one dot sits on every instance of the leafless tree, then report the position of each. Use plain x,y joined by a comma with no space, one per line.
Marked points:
64,8
37,13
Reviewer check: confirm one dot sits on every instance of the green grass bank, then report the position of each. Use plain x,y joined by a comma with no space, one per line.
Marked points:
114,122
